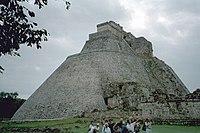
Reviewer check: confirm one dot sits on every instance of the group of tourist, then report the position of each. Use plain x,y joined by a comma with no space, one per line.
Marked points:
131,126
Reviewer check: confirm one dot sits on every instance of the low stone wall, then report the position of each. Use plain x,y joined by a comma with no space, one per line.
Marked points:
191,122
34,130
101,115
171,110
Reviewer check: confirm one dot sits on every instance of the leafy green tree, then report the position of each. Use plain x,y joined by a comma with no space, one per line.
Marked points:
2,94
9,103
11,95
15,95
16,28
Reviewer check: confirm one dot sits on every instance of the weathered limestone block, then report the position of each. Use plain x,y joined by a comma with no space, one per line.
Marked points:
115,28
141,46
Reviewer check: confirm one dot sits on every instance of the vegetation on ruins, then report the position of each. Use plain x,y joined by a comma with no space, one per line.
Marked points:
194,95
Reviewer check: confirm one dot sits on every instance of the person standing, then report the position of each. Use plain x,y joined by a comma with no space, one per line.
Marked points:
118,126
111,125
106,128
91,127
148,125
96,128
132,125
128,126
137,127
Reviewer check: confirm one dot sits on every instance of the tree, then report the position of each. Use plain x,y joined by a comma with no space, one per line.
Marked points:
9,103
2,94
16,28
15,95
11,95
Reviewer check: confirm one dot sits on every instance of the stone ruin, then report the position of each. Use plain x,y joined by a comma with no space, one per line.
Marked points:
114,71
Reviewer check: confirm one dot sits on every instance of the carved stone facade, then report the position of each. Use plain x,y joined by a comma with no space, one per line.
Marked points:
114,70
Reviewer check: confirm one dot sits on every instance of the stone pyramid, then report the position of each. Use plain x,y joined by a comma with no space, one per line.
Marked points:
114,70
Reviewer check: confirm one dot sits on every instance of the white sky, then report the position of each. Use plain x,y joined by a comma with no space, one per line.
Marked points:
173,27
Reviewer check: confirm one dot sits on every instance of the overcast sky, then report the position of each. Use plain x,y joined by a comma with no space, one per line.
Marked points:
173,27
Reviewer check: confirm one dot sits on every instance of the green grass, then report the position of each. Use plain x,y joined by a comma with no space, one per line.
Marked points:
175,129
76,125
80,125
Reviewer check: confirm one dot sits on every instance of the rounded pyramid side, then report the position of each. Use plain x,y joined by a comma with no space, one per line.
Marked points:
72,89
77,86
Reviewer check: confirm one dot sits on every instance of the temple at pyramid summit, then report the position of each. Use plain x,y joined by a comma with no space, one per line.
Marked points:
114,71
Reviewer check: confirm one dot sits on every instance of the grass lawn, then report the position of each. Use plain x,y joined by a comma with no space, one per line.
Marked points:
175,129
80,125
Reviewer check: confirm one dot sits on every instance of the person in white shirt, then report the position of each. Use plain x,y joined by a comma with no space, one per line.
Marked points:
128,126
106,129
91,127
148,125
97,128
132,125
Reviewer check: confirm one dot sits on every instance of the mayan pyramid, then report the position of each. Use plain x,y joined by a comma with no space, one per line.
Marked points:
114,70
